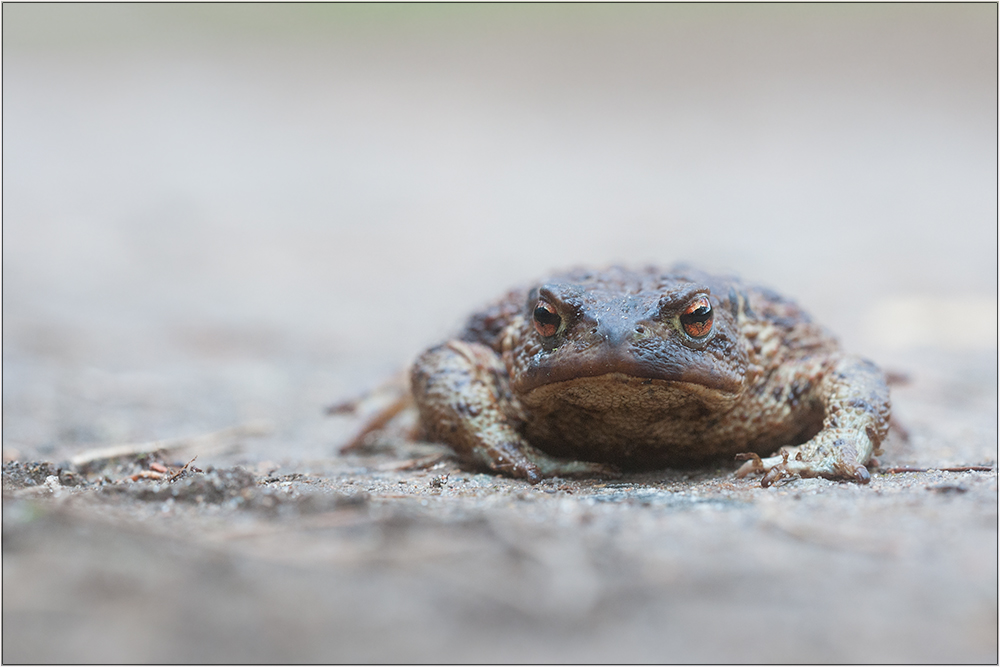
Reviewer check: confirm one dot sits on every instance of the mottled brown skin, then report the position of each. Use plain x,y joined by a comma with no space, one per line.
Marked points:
592,371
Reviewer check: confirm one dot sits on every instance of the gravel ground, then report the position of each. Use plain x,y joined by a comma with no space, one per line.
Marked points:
220,220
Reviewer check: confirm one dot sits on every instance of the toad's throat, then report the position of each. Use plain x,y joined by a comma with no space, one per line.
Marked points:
620,404
685,369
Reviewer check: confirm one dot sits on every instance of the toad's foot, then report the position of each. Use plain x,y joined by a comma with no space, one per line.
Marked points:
526,462
856,401
462,393
831,455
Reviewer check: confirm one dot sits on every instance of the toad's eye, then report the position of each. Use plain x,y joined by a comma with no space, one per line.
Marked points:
697,318
546,319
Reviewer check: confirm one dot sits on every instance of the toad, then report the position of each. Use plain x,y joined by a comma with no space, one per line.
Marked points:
595,371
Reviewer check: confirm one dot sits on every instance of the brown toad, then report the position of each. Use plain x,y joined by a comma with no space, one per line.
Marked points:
593,370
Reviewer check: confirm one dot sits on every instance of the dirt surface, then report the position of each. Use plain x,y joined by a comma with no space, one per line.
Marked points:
218,221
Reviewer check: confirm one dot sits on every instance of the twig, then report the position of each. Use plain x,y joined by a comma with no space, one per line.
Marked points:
146,474
897,378
421,463
205,443
950,469
378,422
397,384
182,470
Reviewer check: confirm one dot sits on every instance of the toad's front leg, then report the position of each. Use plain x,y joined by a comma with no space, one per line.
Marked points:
462,394
855,397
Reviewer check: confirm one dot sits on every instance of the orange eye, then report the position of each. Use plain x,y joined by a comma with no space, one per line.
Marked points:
546,319
697,318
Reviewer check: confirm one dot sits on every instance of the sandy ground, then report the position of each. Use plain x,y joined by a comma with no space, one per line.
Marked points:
219,220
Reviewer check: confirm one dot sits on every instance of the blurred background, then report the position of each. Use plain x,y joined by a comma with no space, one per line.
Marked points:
221,213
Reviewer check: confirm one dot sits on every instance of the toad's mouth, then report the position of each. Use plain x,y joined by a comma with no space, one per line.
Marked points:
643,398
687,370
